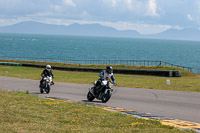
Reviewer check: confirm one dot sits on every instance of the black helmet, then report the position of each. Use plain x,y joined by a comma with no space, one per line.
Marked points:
109,69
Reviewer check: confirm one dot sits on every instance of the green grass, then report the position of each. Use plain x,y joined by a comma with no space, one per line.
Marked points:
191,82
20,113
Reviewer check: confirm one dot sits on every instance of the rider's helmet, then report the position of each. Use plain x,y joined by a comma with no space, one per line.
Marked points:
48,67
109,69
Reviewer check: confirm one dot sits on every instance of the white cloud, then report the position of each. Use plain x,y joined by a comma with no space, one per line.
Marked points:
139,27
152,8
198,4
129,1
84,14
114,2
145,16
56,7
129,4
189,17
40,14
69,3
6,22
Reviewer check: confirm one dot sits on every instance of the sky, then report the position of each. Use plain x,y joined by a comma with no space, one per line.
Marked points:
144,16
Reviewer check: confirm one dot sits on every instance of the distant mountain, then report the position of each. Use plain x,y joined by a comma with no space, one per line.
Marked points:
31,27
98,30
73,29
184,34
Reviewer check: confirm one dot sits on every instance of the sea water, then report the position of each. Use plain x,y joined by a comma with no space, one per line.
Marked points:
185,53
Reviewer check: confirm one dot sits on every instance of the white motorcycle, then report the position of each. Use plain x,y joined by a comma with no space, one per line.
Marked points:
102,92
45,86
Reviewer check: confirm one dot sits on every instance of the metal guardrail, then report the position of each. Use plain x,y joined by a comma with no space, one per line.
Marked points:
102,62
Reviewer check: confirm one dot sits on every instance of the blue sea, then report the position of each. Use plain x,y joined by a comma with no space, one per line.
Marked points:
185,53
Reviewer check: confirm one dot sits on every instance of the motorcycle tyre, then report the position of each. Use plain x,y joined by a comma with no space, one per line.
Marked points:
47,89
90,97
41,89
106,97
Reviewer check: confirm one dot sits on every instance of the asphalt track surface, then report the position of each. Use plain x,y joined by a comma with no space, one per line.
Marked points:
173,104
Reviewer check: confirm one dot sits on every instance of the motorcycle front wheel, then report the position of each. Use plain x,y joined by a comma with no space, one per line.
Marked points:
48,89
90,97
41,89
106,97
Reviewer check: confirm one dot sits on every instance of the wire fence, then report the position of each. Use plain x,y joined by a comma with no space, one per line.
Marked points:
103,62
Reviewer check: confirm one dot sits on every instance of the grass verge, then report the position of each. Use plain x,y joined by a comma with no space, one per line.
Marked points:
20,112
185,83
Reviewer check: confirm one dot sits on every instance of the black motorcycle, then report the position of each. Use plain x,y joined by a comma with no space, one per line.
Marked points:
102,92
45,86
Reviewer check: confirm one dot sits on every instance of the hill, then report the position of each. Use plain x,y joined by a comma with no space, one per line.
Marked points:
184,34
73,29
30,27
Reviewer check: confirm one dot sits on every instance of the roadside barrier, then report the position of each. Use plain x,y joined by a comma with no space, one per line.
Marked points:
166,73
10,64
102,62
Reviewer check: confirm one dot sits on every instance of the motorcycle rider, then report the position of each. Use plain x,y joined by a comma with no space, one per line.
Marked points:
46,72
105,75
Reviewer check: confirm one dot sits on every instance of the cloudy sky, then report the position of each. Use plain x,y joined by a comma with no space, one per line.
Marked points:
144,16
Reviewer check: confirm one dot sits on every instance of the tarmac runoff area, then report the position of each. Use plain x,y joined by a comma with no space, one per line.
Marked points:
173,108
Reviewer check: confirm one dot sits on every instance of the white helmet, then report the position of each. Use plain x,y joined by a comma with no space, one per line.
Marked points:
48,67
